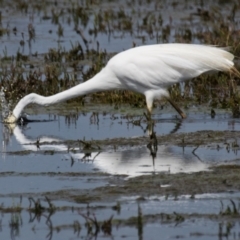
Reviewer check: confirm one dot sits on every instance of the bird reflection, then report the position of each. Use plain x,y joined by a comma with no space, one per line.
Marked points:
177,126
133,161
153,143
153,147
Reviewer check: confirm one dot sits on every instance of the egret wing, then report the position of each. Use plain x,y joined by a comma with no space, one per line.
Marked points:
159,66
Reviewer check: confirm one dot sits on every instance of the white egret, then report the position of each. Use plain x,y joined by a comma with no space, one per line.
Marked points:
149,70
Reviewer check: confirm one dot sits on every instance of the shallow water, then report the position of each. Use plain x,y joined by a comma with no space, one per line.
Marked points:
22,141
36,159
205,225
115,125
21,155
180,17
29,170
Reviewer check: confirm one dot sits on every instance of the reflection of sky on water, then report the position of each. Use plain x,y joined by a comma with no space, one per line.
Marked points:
81,126
180,18
131,161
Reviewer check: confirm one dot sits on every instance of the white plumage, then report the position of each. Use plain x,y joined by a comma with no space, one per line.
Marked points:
149,70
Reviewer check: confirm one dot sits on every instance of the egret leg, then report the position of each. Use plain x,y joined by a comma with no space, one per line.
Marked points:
148,116
150,124
182,114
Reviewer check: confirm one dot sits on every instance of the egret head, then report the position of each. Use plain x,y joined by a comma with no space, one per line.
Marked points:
10,119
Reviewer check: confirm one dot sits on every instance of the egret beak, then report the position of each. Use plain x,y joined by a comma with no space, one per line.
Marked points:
10,119
182,114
